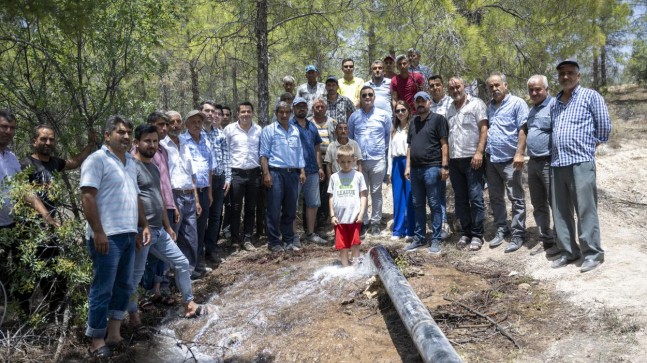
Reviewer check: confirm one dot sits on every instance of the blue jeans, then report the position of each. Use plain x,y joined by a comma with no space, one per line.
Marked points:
310,190
281,206
215,213
187,228
164,249
468,196
404,216
425,182
111,286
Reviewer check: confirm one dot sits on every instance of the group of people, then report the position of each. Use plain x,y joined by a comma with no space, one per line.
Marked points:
162,199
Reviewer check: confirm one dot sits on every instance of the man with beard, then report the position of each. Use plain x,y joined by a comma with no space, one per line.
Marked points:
427,167
389,67
113,210
506,144
45,164
43,167
162,244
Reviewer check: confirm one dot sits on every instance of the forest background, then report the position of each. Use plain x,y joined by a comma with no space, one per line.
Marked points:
72,63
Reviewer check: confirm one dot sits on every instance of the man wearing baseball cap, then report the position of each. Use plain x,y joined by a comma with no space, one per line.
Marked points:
580,122
427,167
311,89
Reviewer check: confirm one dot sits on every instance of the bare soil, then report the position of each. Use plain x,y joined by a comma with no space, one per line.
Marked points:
494,307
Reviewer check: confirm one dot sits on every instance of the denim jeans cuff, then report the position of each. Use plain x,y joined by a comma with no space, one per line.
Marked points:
116,314
95,333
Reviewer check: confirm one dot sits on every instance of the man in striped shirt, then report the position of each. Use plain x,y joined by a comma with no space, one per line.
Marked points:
580,121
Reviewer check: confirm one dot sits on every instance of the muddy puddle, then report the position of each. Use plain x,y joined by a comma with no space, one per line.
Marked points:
304,308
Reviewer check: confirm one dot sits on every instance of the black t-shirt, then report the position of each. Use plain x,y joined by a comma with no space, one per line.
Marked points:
42,174
424,140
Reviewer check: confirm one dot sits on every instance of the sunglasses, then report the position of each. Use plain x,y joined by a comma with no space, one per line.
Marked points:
367,95
401,110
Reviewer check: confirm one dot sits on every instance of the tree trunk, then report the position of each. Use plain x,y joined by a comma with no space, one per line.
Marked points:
195,91
234,92
263,57
596,71
603,66
371,46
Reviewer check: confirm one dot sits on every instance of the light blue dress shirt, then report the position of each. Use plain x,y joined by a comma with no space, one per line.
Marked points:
505,122
371,130
282,147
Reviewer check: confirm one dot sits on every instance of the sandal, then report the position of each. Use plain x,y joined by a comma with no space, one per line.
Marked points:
476,244
146,305
201,310
103,352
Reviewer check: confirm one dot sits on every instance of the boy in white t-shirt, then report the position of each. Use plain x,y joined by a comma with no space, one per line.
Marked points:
347,204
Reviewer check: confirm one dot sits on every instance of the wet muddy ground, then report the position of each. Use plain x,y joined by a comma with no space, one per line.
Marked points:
304,307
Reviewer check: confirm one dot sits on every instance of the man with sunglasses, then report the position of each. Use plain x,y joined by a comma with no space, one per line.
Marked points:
371,128
350,85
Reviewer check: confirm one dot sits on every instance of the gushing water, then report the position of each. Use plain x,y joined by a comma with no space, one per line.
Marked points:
255,307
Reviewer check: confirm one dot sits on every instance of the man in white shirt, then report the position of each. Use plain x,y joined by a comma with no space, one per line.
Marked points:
243,138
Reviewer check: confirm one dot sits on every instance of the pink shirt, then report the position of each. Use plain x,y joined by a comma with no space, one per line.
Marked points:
161,161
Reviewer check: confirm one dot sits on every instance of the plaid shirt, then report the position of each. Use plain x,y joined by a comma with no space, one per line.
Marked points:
221,156
578,126
341,109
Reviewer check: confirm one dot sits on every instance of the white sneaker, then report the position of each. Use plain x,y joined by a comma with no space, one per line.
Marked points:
396,238
408,238
315,238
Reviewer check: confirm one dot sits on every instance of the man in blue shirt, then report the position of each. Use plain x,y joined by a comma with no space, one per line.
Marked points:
538,146
283,165
505,148
310,141
371,128
580,121
202,160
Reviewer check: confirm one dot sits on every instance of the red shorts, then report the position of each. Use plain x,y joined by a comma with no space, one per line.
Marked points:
347,235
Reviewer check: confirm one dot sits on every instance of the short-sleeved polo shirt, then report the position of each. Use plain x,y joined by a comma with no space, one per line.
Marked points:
117,191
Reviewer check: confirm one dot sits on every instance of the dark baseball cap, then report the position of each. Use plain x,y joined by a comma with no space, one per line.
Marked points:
571,62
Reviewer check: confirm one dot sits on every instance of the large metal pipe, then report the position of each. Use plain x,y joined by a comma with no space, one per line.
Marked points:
427,336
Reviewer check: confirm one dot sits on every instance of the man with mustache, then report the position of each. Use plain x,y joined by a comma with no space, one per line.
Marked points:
113,210
506,144
581,122
44,165
427,167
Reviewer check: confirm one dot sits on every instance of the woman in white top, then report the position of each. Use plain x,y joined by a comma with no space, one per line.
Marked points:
404,222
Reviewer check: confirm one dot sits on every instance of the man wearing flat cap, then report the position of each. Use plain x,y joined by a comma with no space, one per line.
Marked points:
580,121
311,89
202,160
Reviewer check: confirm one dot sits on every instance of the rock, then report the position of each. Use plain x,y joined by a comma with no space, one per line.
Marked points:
524,286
